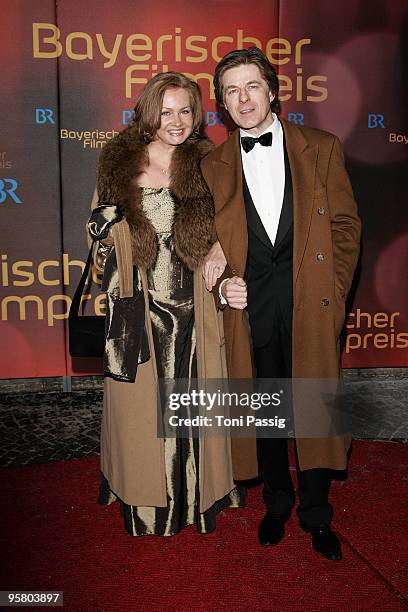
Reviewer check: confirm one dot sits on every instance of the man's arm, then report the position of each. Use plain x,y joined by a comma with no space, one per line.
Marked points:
345,222
234,289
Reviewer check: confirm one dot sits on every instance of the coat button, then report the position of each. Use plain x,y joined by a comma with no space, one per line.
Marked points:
321,210
319,256
325,302
234,272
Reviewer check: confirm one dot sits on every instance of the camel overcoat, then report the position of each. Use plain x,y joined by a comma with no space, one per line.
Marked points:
325,252
132,455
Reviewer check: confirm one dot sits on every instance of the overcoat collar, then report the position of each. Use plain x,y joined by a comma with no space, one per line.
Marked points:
303,161
231,220
122,161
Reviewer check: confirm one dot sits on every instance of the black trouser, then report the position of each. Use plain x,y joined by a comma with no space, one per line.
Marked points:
275,361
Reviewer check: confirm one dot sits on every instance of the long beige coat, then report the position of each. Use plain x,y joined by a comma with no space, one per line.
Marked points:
132,456
325,252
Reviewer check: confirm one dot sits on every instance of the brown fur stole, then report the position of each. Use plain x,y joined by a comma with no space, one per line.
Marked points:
120,164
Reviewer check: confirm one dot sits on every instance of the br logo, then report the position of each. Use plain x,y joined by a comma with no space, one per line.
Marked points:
375,121
8,187
44,115
212,118
297,118
127,117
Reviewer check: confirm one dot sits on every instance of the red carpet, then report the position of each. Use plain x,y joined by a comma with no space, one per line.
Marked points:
55,536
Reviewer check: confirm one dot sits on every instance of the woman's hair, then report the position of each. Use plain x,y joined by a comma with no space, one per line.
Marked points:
253,55
147,113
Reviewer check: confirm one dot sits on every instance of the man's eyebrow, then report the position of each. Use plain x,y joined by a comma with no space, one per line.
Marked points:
254,81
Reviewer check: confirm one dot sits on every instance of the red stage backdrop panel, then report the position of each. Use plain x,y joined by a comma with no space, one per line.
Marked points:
32,300
72,72
351,81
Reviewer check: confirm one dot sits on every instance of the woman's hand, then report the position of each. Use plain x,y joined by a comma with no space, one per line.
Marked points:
214,265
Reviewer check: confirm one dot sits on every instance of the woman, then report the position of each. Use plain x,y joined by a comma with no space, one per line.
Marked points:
162,323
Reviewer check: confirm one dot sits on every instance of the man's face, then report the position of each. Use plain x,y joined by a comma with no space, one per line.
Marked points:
247,98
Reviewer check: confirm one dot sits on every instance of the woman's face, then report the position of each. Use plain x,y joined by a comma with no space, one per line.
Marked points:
176,117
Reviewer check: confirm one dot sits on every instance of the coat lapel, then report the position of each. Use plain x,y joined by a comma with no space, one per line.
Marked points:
230,217
253,218
286,216
302,160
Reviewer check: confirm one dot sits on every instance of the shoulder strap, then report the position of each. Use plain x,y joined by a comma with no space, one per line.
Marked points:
76,300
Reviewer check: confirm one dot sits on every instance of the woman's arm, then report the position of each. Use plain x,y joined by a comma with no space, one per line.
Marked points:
99,229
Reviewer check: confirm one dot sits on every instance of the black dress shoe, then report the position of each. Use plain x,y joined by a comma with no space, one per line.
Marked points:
326,543
271,529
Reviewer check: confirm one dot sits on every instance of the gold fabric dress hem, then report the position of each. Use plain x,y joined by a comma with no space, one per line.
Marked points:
205,522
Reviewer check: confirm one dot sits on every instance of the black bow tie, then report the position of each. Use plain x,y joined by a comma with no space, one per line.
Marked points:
248,142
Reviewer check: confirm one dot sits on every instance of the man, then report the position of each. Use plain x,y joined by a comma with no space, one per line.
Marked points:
288,225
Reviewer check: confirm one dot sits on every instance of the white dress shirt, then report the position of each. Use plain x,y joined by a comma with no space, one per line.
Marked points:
264,169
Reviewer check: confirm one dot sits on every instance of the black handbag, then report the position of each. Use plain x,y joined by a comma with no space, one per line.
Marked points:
86,332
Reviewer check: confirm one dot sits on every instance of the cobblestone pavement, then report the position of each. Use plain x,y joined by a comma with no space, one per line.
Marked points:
43,427
52,426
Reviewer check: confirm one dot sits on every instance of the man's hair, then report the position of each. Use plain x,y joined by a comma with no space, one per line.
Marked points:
240,57
147,113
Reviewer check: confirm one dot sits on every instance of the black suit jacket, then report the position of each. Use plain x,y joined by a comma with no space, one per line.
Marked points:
269,269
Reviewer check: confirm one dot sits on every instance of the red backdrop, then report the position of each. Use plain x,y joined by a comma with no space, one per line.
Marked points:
72,71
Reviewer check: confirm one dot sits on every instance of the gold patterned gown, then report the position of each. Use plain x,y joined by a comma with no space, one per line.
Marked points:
170,286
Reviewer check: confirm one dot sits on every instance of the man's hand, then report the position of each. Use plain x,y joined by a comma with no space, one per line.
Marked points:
234,290
214,265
